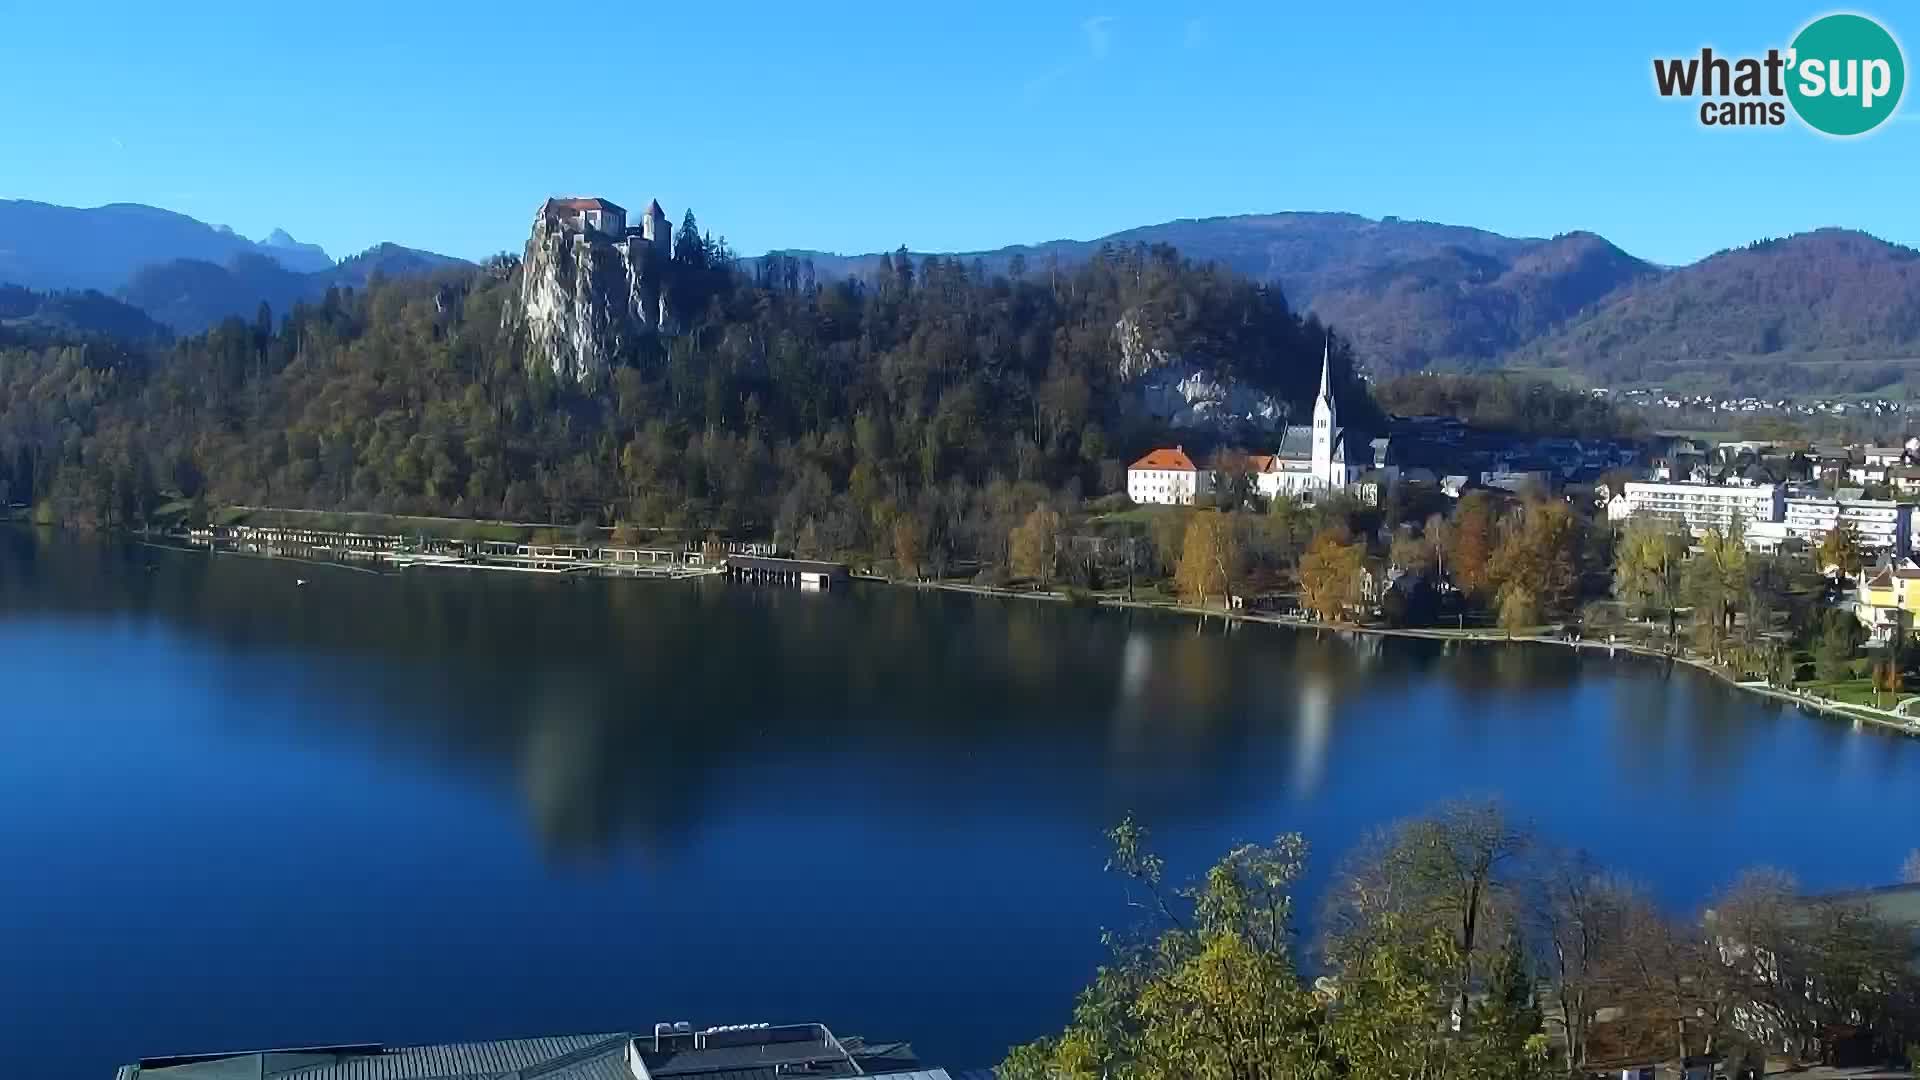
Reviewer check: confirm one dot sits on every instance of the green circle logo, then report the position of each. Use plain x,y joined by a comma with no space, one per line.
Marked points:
1847,74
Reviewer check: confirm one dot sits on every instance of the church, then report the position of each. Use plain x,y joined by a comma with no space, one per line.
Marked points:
1325,457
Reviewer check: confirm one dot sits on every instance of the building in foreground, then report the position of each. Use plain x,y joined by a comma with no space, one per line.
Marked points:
733,1052
1700,507
1887,600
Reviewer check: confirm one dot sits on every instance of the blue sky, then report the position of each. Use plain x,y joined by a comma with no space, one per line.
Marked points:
852,127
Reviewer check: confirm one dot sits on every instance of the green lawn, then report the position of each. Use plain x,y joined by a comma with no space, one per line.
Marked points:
1857,691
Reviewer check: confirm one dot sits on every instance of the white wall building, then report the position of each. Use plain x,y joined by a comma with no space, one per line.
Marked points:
1168,478
1880,524
1703,506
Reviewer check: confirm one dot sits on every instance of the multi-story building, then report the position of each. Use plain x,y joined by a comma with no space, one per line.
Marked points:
1881,525
1168,478
1703,506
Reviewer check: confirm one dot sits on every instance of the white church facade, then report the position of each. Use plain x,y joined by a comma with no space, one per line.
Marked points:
1316,458
1308,460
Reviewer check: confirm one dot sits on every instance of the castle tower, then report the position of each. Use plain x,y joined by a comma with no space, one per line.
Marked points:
657,230
1327,472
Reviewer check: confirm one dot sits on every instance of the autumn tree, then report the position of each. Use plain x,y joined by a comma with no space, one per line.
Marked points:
1840,551
1215,991
1452,871
910,544
1714,583
1209,558
1519,609
1536,557
1474,538
1033,545
1647,563
1330,573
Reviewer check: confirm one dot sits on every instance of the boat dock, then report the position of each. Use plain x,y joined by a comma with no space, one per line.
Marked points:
753,561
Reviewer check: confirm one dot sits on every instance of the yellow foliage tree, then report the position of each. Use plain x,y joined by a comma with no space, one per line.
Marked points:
1034,543
1330,573
1209,558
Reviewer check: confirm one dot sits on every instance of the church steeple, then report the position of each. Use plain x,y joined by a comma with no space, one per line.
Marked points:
1326,374
1328,467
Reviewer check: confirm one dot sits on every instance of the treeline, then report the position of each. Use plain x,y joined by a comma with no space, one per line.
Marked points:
1462,946
818,412
1509,403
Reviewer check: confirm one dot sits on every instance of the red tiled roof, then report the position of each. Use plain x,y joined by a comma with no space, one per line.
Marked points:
1175,458
584,204
1260,462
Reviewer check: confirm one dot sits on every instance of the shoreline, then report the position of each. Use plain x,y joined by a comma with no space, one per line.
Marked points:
1857,714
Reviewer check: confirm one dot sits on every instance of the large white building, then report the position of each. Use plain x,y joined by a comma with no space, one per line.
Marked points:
1703,506
1881,525
1168,478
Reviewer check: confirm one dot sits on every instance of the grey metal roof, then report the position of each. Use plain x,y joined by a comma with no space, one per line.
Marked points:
565,1057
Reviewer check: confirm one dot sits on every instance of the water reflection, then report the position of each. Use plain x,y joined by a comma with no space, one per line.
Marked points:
578,778
615,710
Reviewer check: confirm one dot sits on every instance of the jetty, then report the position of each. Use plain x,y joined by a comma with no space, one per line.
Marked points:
748,561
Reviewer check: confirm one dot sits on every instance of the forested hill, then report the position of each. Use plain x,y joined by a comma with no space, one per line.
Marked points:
931,400
1831,310
1827,311
1411,293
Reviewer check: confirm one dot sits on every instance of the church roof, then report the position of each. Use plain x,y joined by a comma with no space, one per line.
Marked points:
1174,459
653,209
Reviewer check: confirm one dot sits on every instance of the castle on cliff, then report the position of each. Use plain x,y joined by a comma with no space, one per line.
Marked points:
608,220
591,288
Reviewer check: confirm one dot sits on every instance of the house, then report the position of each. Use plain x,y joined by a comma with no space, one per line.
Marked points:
733,1051
1168,478
1887,600
1864,474
1884,455
1904,479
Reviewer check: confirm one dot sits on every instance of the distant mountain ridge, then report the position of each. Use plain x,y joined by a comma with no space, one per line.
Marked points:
1409,293
1829,309
181,271
1412,295
49,247
190,295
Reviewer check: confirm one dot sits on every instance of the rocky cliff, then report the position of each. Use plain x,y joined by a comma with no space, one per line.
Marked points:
586,298
1184,392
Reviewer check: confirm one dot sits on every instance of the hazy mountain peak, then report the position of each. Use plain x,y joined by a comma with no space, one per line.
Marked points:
294,255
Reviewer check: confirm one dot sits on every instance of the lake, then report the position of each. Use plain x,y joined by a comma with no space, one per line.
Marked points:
434,806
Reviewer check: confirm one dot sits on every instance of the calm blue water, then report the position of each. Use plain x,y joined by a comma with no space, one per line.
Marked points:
238,813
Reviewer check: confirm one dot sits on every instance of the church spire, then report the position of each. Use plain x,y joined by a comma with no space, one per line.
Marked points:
1326,370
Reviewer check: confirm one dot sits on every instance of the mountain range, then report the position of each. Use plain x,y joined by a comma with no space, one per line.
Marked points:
177,270
1830,310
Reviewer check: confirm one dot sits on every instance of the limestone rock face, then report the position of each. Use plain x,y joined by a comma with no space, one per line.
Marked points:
1186,395
586,298
1185,392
